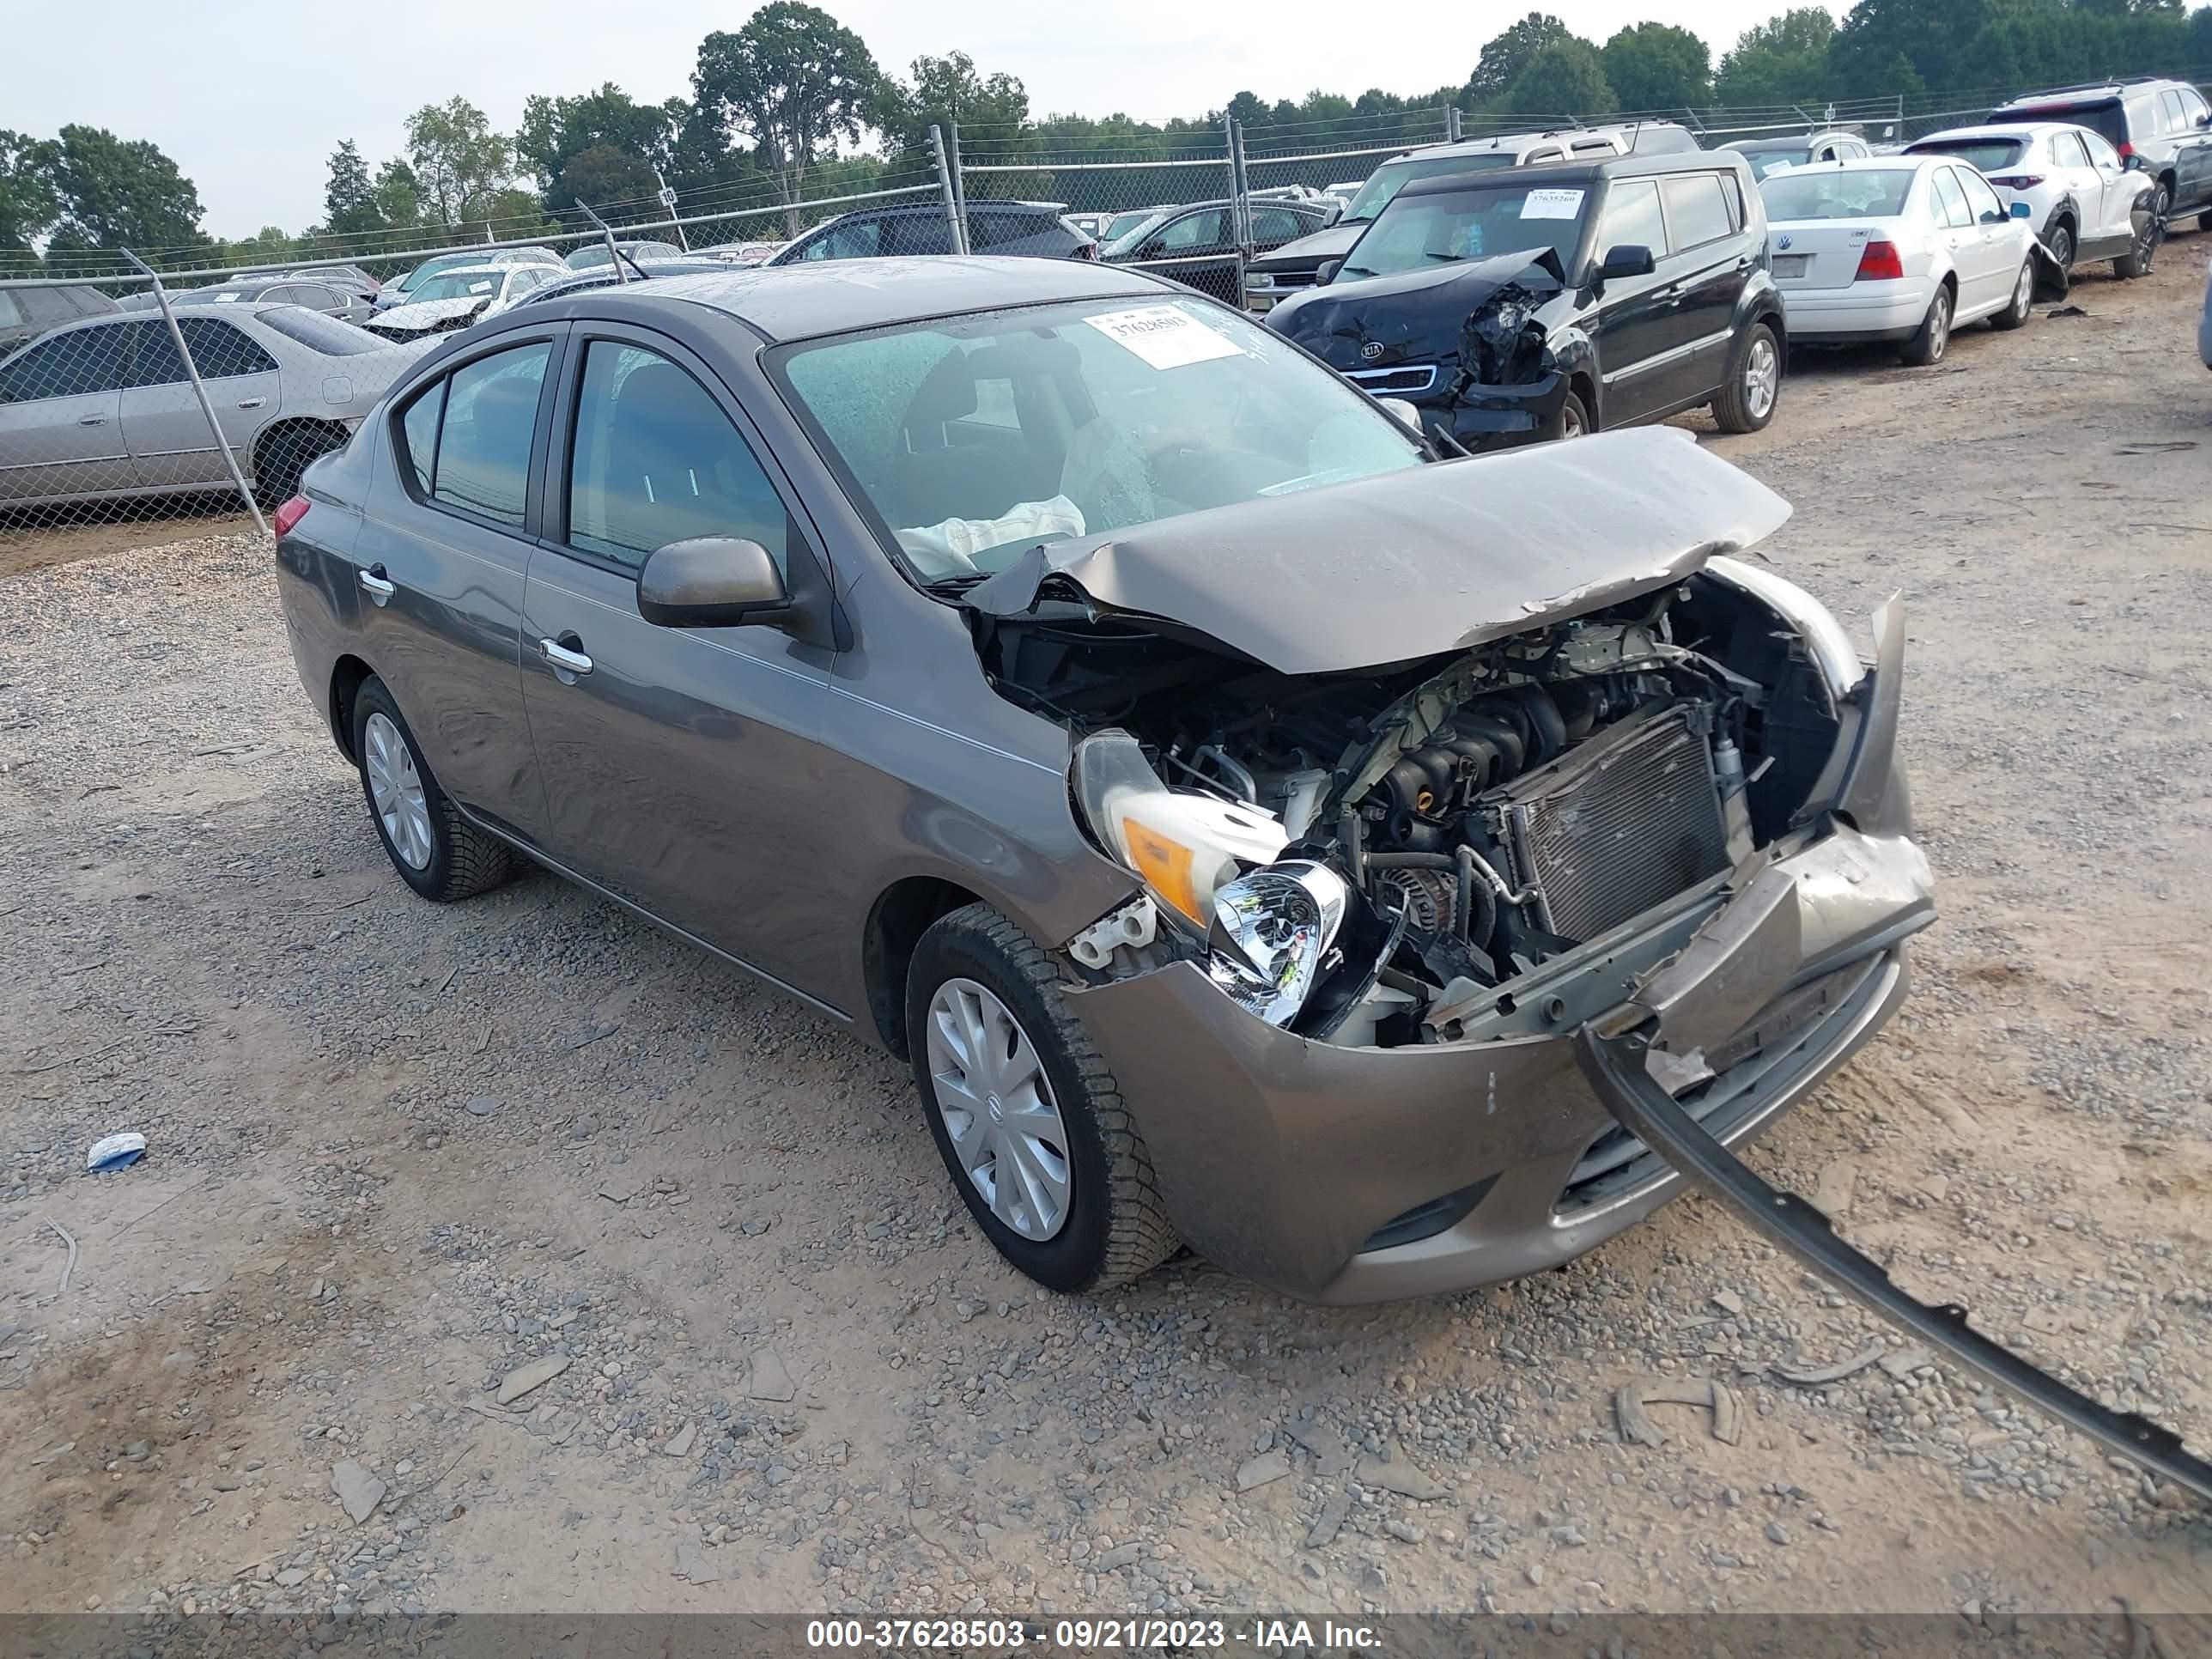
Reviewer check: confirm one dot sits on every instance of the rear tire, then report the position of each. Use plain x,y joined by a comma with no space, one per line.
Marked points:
1754,388
436,851
2060,241
280,457
2023,298
1926,348
2204,222
1109,1226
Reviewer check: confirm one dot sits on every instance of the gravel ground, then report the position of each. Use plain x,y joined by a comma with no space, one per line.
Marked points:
510,1256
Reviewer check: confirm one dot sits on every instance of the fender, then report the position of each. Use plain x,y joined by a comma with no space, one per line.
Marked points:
1576,353
2065,207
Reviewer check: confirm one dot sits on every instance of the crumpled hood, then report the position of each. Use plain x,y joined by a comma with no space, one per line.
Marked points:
429,314
1415,562
1413,317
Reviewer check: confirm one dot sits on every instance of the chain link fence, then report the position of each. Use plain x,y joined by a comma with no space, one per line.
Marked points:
125,400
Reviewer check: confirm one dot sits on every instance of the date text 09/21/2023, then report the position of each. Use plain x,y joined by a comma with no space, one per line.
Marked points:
1289,1636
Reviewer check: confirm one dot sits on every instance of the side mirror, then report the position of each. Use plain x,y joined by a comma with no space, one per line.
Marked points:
1629,259
711,581
2132,163
1325,273
2021,210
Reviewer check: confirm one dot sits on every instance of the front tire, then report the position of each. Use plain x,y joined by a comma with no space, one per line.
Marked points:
436,851
1574,417
1926,348
1026,1113
1755,382
2023,298
2148,227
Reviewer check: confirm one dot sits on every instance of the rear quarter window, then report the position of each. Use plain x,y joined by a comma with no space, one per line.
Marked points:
1697,209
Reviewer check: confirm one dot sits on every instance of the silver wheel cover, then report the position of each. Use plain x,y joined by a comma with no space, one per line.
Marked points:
395,789
1762,376
1939,336
998,1110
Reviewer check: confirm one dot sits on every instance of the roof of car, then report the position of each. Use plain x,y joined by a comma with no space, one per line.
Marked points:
938,207
115,319
2092,92
797,302
1810,136
1995,129
1589,167
1897,163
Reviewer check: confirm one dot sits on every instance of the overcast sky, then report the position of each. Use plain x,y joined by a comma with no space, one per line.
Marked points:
250,100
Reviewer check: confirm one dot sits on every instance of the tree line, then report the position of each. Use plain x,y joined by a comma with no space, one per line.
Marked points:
791,106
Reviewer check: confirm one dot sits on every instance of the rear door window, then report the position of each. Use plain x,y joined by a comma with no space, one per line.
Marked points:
1194,233
995,227
919,233
2170,114
220,350
1697,209
154,360
468,437
2066,149
1951,201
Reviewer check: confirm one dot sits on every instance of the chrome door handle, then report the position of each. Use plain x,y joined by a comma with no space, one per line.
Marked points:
561,658
375,585
92,420
253,403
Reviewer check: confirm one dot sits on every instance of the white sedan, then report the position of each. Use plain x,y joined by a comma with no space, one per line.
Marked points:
1901,248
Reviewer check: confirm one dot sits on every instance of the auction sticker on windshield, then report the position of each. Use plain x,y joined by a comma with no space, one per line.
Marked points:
1552,205
1165,337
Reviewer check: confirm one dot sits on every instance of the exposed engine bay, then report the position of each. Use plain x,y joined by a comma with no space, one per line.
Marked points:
1354,852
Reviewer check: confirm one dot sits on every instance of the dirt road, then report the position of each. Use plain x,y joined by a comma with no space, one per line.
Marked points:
401,1153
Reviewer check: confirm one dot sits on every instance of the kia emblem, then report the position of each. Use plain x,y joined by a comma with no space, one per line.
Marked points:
1371,350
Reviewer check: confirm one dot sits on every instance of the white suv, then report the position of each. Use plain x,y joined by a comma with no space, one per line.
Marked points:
2163,127
2083,201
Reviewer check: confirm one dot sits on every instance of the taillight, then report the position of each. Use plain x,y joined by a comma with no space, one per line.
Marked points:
287,517
1879,263
2016,180
2126,148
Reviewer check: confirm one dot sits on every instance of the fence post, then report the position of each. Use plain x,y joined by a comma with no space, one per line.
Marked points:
959,183
199,390
945,191
1240,201
1451,123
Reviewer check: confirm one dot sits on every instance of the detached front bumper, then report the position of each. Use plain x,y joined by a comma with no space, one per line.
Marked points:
1342,1175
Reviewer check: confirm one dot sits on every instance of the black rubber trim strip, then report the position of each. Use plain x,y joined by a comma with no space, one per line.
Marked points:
1614,1066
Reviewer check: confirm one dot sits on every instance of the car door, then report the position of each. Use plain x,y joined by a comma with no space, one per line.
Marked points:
920,233
61,426
163,425
2003,240
1960,238
2117,187
680,769
2192,160
1635,322
1711,264
439,566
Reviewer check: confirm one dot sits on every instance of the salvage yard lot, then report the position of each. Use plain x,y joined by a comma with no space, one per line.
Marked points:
399,1153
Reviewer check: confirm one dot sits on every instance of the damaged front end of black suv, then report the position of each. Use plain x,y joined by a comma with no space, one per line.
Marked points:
1486,350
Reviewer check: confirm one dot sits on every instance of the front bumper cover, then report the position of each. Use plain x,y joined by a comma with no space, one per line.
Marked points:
1618,1067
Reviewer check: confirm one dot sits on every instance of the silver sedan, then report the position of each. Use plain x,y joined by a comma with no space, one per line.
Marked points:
103,409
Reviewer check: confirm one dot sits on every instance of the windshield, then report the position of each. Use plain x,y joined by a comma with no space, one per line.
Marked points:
1777,156
1129,241
318,333
429,267
976,437
459,285
1384,184
1837,193
1985,154
1123,223
1477,223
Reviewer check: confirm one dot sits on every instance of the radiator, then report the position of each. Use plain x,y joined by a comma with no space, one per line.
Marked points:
1622,824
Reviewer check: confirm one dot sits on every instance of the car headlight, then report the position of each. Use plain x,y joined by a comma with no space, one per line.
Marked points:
1271,936
1183,846
1260,279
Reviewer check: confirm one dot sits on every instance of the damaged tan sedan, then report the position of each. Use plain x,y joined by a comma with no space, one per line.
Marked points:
1235,810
